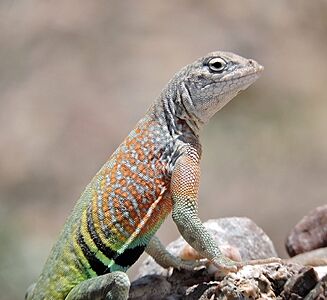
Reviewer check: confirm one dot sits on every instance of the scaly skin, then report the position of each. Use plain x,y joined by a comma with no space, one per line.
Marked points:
154,171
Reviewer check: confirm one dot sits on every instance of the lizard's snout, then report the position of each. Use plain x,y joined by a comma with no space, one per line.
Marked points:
255,65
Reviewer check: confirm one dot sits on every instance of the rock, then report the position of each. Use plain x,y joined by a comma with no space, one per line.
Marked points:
317,257
310,233
319,292
301,284
272,281
239,239
175,287
253,282
150,287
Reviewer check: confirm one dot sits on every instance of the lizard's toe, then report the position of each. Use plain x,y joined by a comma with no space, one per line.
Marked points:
193,264
226,265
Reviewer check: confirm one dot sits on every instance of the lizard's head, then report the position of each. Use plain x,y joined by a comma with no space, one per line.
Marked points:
209,83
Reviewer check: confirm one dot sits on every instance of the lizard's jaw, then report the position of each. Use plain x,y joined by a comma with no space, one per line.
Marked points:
235,83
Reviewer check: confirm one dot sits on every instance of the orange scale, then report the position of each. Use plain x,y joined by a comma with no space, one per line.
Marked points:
124,194
138,198
116,204
132,160
137,146
122,182
119,217
134,215
151,173
118,192
149,196
132,190
129,228
150,185
128,205
137,179
125,171
119,156
106,211
105,196
113,179
158,181
141,207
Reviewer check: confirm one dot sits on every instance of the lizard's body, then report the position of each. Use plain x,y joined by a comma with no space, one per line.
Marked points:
153,172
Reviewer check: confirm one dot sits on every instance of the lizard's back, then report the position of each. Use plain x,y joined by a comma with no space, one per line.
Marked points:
116,215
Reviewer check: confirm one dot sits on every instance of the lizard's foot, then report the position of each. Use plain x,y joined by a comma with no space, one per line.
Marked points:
226,265
167,260
191,265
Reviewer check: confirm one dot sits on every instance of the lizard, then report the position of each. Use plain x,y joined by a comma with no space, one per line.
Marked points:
154,172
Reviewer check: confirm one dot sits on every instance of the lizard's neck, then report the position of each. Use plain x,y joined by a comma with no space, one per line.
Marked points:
169,110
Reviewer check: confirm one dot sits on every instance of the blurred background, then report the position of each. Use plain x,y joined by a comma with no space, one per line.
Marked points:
75,77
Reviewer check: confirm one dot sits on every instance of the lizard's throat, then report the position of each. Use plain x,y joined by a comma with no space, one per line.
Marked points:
208,108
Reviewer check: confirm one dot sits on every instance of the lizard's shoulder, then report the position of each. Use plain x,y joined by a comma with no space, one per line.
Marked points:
182,146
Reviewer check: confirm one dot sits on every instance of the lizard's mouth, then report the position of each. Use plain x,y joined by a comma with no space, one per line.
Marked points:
255,73
243,79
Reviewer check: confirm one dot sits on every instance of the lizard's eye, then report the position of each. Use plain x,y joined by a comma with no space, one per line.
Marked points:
217,64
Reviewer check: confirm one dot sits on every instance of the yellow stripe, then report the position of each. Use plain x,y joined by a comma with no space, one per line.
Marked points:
81,256
89,242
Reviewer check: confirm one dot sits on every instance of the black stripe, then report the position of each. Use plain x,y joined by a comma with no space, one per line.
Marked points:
96,265
126,259
168,114
108,252
129,256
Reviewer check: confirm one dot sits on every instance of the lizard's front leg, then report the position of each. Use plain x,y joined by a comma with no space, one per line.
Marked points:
112,286
184,189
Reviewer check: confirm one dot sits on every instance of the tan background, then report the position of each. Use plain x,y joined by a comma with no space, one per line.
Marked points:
75,76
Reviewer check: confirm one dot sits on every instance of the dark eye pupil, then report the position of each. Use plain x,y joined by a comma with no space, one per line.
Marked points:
217,65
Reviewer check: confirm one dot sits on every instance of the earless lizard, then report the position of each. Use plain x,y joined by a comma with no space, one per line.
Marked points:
155,171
